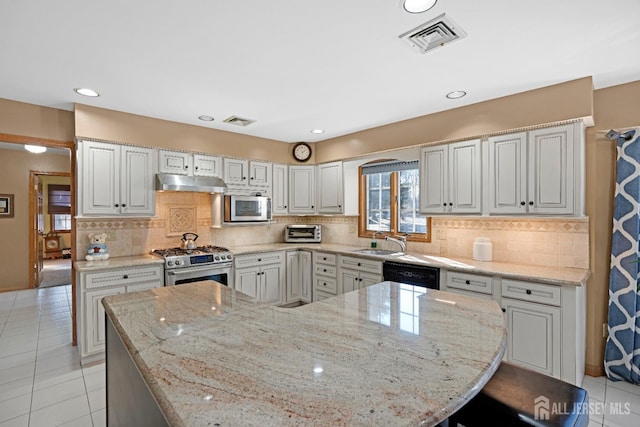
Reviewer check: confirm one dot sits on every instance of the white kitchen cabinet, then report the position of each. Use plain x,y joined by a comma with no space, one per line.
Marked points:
95,285
451,178
536,172
116,179
325,275
330,186
533,336
356,273
475,285
247,176
261,276
302,199
299,277
280,190
182,163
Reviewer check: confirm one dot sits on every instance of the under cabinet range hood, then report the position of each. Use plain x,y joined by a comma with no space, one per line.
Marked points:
202,184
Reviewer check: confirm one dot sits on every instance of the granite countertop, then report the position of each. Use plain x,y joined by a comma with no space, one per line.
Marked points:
389,354
118,262
548,275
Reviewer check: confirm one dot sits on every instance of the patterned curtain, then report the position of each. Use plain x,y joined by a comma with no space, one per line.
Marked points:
622,354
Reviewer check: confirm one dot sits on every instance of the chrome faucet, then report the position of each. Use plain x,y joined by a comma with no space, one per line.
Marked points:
402,241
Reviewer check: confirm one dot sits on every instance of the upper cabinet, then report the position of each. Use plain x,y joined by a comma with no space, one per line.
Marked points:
116,179
302,197
536,172
244,176
451,178
180,163
280,191
330,188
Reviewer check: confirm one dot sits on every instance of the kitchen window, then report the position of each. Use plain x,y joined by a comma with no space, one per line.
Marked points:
389,201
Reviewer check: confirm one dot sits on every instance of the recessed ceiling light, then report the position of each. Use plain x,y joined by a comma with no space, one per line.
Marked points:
86,92
317,131
418,6
206,118
456,94
37,149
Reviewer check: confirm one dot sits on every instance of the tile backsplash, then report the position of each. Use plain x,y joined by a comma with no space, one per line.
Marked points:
551,242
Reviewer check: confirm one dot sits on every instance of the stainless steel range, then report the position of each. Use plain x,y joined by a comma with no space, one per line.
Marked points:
192,265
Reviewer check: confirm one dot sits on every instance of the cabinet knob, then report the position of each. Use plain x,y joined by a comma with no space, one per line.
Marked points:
358,264
450,204
285,206
360,279
259,259
325,270
244,177
116,205
324,284
313,207
528,291
504,310
467,282
522,203
196,168
339,206
186,166
126,276
324,259
530,203
444,204
252,178
124,205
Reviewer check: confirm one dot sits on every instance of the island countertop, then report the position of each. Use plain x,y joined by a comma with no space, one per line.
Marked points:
388,354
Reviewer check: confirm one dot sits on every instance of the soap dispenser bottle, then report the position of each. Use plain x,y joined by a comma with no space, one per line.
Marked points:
374,242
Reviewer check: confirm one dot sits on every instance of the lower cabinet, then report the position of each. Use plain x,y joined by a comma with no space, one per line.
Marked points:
356,273
299,287
95,285
325,275
545,323
261,276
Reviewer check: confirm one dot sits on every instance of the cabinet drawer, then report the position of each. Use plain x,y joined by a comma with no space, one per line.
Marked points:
124,277
324,258
361,264
528,291
470,282
325,270
258,259
326,284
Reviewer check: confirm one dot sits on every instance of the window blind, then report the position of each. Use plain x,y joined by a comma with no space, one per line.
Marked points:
389,166
59,199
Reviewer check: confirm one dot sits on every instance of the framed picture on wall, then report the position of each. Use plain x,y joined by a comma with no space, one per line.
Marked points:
6,205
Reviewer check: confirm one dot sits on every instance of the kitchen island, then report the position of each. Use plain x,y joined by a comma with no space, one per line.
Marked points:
388,354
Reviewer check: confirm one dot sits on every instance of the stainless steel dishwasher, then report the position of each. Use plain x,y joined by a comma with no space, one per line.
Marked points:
412,274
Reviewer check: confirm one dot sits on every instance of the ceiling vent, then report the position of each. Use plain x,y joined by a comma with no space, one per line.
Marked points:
238,121
435,33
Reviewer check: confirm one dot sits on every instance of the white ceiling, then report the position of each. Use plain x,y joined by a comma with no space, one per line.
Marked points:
295,65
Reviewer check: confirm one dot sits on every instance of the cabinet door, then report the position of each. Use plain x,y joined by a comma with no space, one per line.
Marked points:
533,336
204,165
551,170
280,198
94,318
302,189
508,174
465,177
368,279
246,280
100,185
236,171
306,288
137,190
329,188
271,282
174,162
294,285
260,174
350,280
434,164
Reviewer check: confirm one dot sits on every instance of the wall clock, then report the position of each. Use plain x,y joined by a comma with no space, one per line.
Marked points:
302,152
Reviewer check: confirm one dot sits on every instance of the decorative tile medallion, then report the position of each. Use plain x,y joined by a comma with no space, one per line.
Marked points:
181,219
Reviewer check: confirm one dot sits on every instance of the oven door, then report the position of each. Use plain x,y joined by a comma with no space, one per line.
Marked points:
180,276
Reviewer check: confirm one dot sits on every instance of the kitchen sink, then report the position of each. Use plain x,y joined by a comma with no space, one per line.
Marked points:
382,252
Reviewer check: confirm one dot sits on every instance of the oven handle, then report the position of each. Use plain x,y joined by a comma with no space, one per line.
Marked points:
191,270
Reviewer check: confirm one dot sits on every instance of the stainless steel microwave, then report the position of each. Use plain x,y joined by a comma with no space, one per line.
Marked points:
306,233
247,209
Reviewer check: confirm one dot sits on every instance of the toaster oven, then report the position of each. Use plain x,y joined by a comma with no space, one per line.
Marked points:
305,233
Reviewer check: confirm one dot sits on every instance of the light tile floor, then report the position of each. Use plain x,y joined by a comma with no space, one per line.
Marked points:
43,384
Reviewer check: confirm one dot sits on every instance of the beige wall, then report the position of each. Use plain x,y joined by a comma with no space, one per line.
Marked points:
18,118
92,122
557,103
15,167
